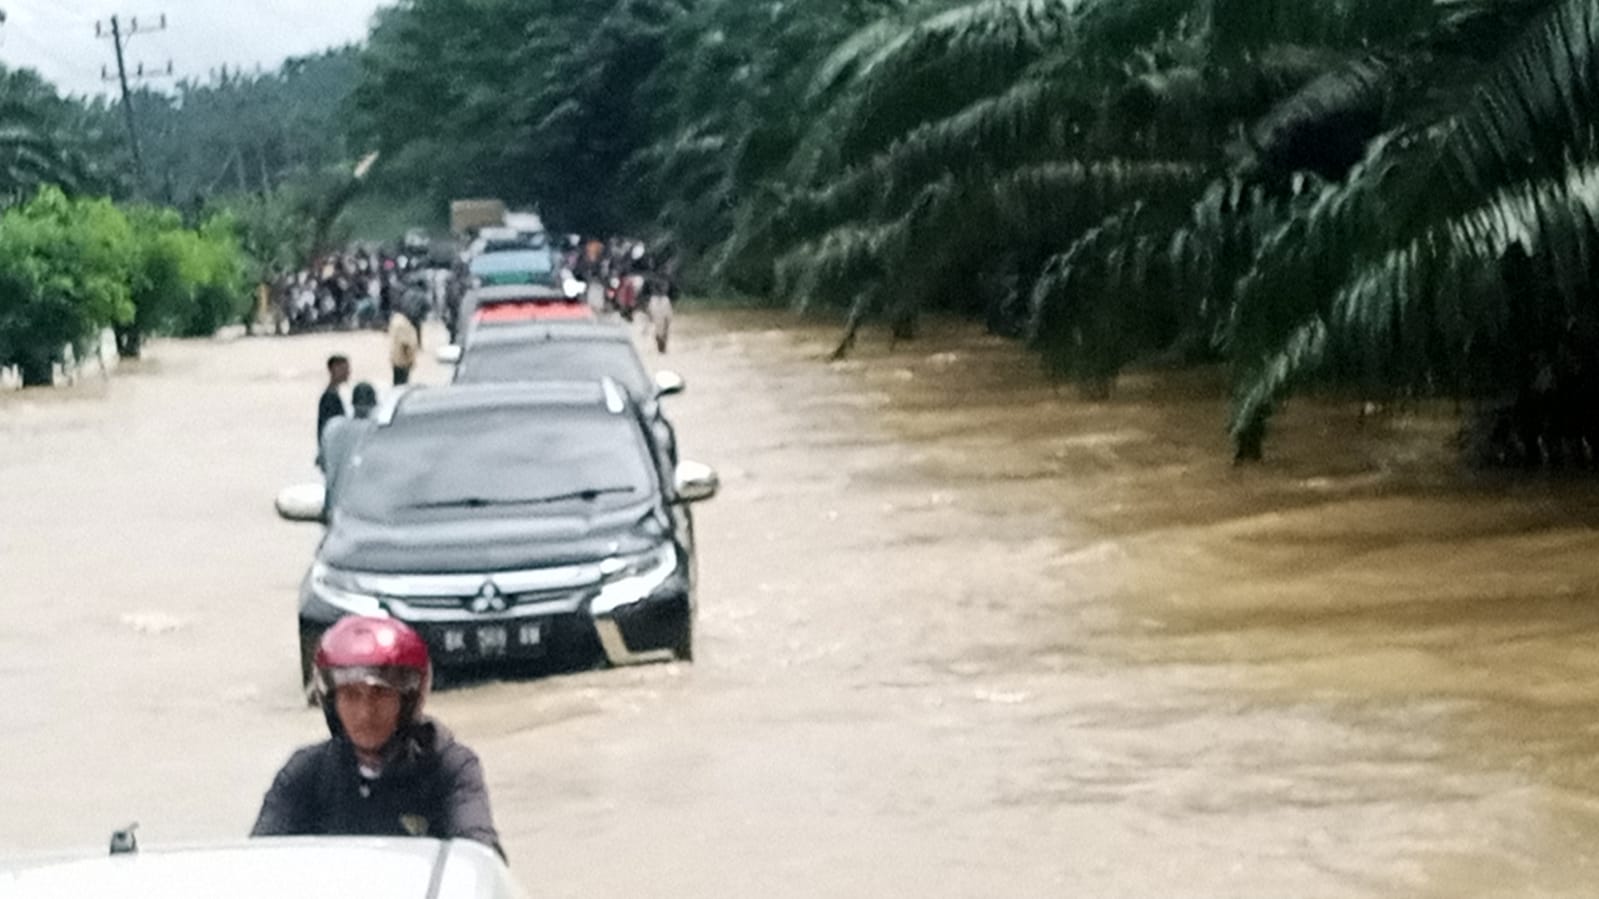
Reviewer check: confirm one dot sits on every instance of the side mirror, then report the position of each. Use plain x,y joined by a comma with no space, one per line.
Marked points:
302,502
696,483
669,383
449,354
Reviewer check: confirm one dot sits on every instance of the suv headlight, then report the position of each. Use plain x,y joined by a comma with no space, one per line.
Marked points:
342,590
619,568
632,579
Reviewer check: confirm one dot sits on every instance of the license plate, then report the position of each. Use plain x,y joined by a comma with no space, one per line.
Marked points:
492,641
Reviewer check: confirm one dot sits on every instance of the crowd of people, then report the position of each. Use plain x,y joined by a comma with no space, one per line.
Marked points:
611,264
364,287
361,288
623,275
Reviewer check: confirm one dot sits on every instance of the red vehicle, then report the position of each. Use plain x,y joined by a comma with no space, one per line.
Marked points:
521,302
534,312
512,304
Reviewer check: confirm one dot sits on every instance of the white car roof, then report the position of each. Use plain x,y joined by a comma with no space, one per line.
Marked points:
299,867
524,222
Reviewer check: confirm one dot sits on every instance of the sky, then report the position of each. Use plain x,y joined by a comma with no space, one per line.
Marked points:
57,38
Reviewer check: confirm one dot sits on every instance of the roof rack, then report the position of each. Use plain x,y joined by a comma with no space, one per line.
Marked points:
615,398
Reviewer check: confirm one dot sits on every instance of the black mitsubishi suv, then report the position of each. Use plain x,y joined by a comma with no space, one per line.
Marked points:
508,522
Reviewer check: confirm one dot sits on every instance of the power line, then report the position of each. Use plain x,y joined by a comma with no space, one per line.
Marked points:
120,34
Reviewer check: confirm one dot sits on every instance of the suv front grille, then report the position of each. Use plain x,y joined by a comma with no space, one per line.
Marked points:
513,601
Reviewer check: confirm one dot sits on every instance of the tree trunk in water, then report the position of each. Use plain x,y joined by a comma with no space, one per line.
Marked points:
37,372
129,341
905,325
1249,442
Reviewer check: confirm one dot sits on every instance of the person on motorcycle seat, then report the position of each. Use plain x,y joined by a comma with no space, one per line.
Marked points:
387,770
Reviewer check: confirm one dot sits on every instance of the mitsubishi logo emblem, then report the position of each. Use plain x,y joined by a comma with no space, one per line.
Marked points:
489,600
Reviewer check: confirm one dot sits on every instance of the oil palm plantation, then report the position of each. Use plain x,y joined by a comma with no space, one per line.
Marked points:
1345,191
1390,194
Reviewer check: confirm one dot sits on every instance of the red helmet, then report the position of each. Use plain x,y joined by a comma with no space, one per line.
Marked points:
378,651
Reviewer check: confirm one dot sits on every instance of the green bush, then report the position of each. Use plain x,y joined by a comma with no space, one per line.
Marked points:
69,268
220,293
184,282
64,267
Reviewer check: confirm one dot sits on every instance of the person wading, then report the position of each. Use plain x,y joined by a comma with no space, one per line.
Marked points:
404,343
331,405
387,770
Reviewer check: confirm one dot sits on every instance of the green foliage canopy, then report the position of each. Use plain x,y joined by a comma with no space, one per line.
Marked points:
1389,194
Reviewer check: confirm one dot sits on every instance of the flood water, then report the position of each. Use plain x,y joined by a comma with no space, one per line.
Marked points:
962,634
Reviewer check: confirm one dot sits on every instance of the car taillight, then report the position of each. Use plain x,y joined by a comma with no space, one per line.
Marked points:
521,312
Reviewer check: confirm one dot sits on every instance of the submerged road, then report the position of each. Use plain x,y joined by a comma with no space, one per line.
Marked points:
961,635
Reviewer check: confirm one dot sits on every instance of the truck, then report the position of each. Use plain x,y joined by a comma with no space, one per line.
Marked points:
467,217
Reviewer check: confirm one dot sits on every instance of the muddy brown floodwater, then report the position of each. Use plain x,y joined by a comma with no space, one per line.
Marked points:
962,635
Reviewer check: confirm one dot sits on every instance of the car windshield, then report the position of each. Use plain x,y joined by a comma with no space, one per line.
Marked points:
536,262
511,459
555,360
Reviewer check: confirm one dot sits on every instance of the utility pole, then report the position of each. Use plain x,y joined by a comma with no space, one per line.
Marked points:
120,35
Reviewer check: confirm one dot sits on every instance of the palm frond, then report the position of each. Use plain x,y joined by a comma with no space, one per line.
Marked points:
1536,108
1004,130
1304,350
1077,305
1324,127
848,58
1306,257
971,34
1447,306
1240,25
936,67
1435,284
937,253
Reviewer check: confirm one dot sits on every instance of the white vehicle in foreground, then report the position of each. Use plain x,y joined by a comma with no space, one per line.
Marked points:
277,868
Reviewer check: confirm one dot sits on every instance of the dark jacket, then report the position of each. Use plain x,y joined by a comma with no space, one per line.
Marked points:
431,786
329,407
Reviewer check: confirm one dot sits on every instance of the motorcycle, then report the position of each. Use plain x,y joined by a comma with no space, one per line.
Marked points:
625,294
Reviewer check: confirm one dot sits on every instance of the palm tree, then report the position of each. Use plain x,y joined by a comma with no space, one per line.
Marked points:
944,108
1322,131
1455,258
45,139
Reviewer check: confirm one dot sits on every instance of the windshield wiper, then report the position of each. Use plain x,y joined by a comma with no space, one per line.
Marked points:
479,502
589,495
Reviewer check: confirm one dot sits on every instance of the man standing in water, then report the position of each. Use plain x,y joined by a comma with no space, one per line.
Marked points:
387,771
331,405
404,344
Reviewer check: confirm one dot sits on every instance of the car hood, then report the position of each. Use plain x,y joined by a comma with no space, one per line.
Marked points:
478,540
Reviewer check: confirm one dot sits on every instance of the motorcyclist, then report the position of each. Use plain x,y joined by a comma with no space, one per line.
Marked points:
572,253
630,290
387,770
